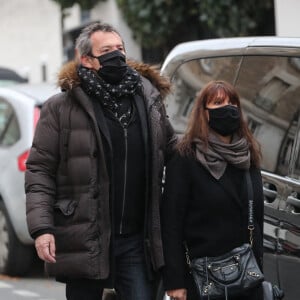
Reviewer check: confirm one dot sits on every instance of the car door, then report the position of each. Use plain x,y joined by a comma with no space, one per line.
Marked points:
271,98
288,236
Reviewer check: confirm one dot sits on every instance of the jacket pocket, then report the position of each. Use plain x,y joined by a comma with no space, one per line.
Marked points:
64,211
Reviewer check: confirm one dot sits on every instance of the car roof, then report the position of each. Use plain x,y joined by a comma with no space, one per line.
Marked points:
271,45
39,92
11,75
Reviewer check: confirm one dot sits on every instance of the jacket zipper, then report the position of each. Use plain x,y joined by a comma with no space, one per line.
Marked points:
125,181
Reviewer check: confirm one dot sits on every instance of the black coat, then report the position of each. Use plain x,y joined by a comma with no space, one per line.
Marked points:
210,215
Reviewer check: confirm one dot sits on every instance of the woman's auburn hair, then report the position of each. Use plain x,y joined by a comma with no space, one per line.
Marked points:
198,124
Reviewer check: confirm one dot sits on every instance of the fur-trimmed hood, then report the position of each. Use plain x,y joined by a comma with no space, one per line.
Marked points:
68,77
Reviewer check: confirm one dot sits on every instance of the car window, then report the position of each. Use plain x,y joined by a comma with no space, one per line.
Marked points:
270,91
269,88
9,127
188,80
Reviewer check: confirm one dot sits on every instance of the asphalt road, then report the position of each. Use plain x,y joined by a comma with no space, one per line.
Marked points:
12,288
36,286
33,286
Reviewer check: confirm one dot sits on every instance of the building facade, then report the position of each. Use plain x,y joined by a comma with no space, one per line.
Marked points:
286,18
35,42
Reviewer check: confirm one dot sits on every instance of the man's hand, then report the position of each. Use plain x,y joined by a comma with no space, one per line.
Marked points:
45,247
179,294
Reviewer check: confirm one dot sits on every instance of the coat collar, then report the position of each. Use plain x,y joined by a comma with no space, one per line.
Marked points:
69,79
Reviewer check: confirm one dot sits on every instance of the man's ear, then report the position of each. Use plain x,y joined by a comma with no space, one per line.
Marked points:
86,61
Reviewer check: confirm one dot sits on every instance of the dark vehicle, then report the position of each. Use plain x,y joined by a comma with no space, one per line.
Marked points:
8,77
266,73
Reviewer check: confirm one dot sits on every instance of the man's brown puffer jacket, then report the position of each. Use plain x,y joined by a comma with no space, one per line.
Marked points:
67,182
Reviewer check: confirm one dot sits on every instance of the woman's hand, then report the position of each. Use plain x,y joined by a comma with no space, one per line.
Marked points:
179,294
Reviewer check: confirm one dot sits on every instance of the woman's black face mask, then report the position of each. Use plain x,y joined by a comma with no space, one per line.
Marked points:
113,66
224,120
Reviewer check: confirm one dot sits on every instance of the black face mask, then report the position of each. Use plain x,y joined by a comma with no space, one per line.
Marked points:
113,66
224,120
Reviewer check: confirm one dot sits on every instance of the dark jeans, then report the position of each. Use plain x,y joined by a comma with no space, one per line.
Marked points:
131,282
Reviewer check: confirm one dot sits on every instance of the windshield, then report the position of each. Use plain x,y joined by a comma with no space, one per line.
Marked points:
269,88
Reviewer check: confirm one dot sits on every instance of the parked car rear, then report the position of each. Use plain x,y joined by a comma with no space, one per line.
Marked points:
19,112
266,73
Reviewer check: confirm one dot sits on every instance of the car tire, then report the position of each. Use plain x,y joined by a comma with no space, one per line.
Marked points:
15,257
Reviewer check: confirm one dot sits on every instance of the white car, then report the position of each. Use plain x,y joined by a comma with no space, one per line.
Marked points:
19,112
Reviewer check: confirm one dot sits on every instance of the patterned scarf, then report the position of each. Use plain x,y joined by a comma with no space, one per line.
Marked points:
111,95
217,154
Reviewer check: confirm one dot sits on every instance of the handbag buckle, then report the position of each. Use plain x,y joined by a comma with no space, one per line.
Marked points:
237,257
207,287
253,274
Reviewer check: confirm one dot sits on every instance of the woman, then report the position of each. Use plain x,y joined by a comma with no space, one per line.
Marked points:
205,200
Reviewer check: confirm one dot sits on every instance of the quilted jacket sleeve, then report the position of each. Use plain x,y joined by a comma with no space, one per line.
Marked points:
40,183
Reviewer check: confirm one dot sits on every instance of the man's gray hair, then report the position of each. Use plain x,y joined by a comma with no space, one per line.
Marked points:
83,43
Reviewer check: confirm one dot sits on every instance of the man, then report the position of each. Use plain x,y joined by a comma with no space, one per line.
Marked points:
93,179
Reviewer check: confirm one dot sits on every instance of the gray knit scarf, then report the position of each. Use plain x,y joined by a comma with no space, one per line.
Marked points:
217,154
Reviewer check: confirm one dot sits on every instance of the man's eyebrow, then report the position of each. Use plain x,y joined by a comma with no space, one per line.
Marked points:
109,46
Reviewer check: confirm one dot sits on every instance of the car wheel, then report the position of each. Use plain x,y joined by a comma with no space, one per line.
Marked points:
15,257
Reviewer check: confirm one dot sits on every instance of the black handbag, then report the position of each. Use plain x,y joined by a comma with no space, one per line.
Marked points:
230,274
